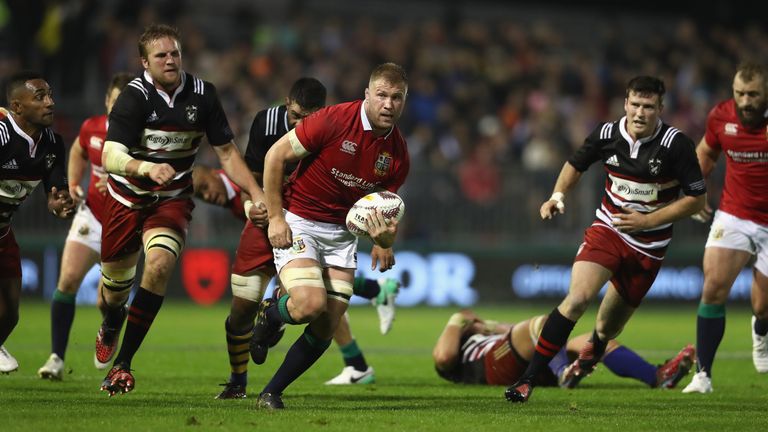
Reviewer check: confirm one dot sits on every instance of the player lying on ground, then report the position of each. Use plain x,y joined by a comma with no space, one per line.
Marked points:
475,351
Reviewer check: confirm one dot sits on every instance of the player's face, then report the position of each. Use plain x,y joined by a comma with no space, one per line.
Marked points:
111,98
384,103
643,111
750,99
296,113
163,62
209,187
34,103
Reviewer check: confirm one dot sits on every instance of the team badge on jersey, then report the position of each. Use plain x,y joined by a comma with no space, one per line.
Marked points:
50,158
654,166
192,113
298,245
383,163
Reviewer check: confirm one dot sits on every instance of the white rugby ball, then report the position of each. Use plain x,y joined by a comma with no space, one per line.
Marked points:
388,203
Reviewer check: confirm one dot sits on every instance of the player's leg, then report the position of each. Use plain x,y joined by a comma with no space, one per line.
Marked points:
586,280
382,293
10,294
251,273
760,317
721,267
81,252
356,369
317,335
247,293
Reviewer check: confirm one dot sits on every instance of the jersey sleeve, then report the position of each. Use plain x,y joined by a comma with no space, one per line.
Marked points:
217,128
710,135
589,152
314,131
257,148
83,135
127,118
56,175
686,166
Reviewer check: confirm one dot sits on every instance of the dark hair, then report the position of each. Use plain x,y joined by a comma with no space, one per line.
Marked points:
120,80
154,32
391,72
309,93
17,81
645,85
749,70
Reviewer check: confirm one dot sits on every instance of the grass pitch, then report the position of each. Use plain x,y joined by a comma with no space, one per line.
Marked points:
183,360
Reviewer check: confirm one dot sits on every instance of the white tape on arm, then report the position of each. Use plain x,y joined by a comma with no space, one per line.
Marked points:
558,197
115,157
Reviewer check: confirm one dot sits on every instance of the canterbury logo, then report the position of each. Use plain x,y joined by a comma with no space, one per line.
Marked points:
349,147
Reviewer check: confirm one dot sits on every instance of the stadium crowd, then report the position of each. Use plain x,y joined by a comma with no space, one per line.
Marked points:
499,95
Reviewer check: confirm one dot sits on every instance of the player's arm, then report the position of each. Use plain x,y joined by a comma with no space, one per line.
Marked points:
76,166
569,176
287,149
234,167
116,160
707,157
60,203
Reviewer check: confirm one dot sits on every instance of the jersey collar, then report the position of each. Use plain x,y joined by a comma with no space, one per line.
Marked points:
168,99
32,144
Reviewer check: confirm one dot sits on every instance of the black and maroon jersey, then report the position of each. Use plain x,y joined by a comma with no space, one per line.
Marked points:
24,163
163,128
644,175
268,126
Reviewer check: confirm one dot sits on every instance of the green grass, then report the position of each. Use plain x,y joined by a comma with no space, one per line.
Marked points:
183,360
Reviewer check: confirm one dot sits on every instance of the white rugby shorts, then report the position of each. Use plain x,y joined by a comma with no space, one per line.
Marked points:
85,229
329,244
730,232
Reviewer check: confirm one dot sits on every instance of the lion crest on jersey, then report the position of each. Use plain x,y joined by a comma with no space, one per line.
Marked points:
50,158
654,166
383,163
192,114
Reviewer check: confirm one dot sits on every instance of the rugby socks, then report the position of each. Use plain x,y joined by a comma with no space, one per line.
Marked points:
710,328
141,314
277,313
761,326
628,364
62,315
559,362
598,349
237,348
353,356
553,337
366,288
302,354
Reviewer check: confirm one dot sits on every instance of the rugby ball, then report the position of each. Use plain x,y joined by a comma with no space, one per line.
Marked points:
388,203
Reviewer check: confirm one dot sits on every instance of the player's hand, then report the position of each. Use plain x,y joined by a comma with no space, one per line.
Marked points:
162,174
704,216
629,220
101,184
76,193
61,204
550,208
384,258
257,214
381,229
279,233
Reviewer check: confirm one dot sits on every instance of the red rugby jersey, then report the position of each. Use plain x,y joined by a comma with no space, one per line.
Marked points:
92,135
746,162
346,162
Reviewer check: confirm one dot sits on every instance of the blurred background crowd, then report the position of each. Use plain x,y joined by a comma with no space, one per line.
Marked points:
500,92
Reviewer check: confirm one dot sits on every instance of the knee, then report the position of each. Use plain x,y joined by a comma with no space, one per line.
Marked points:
308,308
157,271
69,283
574,305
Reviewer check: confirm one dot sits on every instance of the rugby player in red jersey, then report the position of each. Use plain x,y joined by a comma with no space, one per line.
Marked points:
738,129
648,164
344,151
